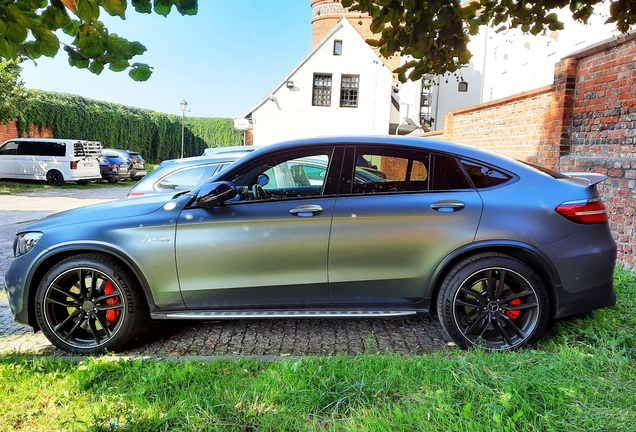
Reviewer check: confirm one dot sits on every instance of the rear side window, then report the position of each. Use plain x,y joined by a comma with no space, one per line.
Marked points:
39,148
484,176
401,170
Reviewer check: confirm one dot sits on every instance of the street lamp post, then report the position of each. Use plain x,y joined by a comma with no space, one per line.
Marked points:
184,108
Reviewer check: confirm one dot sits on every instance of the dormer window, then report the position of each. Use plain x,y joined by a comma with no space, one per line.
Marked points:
337,47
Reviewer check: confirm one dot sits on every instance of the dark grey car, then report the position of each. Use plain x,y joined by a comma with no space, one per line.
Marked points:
491,245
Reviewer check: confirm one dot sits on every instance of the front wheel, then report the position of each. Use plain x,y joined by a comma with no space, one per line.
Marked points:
494,301
89,303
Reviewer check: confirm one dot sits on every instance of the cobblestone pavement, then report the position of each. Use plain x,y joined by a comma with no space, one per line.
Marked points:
277,338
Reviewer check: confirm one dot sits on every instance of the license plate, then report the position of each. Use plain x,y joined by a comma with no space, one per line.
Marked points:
89,165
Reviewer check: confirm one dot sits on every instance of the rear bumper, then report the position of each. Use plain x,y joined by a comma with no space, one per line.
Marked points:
115,176
577,303
586,264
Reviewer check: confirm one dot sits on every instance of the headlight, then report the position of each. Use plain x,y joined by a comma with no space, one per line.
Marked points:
25,242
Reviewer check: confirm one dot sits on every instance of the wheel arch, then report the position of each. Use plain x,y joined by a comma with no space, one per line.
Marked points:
525,253
46,262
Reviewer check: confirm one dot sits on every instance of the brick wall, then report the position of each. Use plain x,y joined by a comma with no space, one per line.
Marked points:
603,129
10,130
585,121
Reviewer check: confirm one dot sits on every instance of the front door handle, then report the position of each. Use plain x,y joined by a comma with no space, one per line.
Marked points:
306,210
448,206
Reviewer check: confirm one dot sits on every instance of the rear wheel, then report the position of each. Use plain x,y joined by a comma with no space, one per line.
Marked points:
494,301
89,303
55,178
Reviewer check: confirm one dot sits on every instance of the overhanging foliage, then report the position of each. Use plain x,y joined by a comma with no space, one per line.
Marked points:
435,33
29,29
155,135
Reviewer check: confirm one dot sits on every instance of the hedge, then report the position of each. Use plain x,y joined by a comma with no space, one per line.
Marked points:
156,136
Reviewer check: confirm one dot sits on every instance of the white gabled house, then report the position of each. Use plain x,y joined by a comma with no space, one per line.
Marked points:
340,87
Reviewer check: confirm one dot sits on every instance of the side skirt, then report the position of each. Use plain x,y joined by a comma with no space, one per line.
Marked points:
290,314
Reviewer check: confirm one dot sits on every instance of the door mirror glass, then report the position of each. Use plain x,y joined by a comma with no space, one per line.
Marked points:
215,193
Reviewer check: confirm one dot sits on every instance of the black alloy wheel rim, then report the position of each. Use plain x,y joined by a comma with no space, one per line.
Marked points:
496,308
84,308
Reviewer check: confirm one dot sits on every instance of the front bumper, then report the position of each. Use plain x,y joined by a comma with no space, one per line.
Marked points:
16,281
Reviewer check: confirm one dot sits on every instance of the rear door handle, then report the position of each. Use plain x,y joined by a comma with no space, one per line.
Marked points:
306,210
448,206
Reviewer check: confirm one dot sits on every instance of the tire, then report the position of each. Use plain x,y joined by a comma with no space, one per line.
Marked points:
112,180
55,178
475,309
136,178
82,182
89,303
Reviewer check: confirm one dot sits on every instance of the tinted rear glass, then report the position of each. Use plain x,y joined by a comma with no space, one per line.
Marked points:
484,176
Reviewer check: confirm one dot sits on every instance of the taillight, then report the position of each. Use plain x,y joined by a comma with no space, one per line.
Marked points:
73,164
589,211
135,194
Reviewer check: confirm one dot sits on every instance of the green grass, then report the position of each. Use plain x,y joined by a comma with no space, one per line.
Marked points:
8,187
581,377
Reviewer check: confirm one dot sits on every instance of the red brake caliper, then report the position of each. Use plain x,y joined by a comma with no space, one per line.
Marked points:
514,313
111,314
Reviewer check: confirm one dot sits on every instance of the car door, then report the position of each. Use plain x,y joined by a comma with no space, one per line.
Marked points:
8,159
397,217
268,248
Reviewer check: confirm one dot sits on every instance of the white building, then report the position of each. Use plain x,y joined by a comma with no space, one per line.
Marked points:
340,87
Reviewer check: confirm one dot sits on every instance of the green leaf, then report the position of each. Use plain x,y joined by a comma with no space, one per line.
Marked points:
142,6
15,33
140,72
137,48
115,7
87,10
78,62
72,28
7,50
187,7
118,66
163,7
96,67
54,18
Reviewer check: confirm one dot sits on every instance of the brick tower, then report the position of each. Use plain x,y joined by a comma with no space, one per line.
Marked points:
326,13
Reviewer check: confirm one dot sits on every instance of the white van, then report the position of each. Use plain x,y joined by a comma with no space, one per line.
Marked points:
54,160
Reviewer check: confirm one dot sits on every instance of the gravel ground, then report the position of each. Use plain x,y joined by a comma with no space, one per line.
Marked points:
168,339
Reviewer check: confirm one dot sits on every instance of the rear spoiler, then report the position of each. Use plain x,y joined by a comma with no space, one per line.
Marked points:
585,178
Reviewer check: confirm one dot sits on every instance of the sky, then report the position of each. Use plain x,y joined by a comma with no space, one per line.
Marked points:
222,61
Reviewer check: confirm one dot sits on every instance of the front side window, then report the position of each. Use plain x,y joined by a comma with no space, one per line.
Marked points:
349,91
10,148
284,177
322,90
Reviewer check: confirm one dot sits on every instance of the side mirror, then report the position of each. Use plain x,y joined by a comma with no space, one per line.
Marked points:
215,193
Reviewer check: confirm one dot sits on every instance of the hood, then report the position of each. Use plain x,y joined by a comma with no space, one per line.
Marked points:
124,208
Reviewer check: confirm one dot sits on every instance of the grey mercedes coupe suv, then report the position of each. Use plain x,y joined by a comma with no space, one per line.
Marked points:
492,246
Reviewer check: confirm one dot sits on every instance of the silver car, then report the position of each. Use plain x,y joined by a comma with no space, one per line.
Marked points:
178,175
304,229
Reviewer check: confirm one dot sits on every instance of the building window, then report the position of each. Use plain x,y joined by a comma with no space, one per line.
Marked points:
337,47
322,90
349,91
